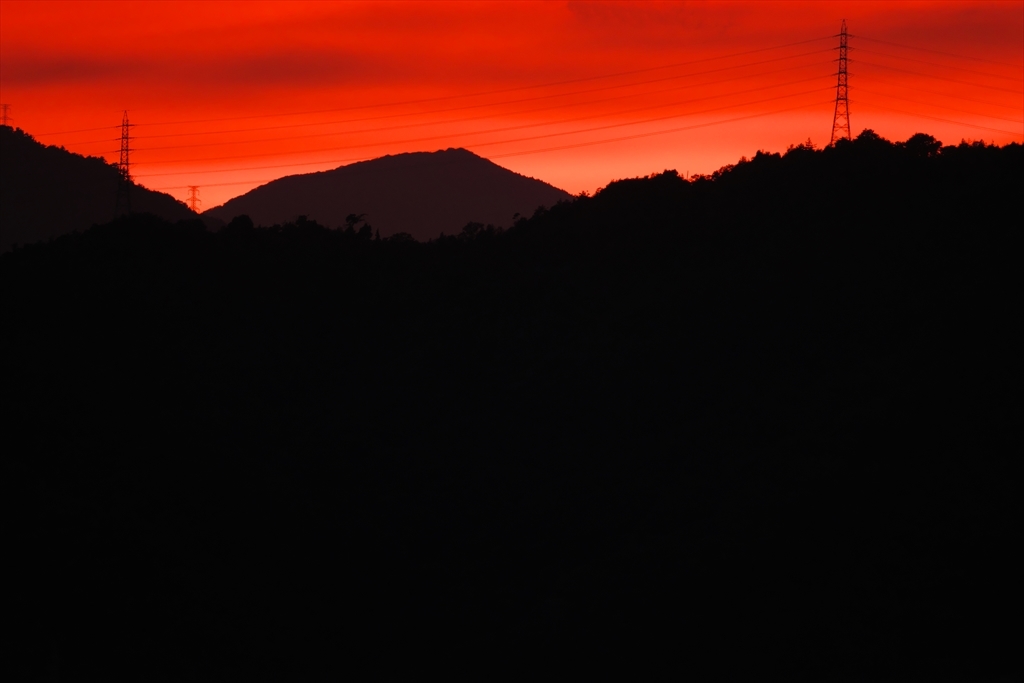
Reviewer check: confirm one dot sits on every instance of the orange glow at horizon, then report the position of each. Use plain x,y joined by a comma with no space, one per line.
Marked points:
228,96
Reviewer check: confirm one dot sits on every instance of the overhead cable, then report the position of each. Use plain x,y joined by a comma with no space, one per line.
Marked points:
940,78
571,146
526,99
499,91
936,118
941,106
492,130
536,137
938,52
1015,79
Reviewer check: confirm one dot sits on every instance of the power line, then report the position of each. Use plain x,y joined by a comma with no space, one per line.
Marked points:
491,104
941,106
569,146
502,90
936,118
235,182
253,168
91,142
902,86
958,97
536,137
602,141
517,101
563,105
588,143
496,130
659,132
80,130
940,78
1015,79
459,96
939,52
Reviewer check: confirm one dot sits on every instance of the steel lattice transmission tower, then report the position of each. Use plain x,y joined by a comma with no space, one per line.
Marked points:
5,118
124,181
193,197
841,119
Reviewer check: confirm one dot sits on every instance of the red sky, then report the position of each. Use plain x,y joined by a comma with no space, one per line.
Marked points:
229,95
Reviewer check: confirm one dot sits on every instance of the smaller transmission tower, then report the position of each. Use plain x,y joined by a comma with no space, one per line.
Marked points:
5,111
841,119
124,182
193,198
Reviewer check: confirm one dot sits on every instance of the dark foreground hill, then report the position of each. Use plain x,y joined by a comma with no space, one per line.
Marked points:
763,425
46,191
423,194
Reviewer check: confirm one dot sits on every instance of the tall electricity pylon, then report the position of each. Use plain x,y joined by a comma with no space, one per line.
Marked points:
841,119
124,181
5,117
193,198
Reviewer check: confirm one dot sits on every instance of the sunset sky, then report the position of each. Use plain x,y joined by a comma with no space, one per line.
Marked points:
230,95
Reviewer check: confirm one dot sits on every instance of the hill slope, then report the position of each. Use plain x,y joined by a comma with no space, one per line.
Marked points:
46,191
422,193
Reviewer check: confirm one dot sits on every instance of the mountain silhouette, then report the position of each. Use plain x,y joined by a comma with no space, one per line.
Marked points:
47,191
421,193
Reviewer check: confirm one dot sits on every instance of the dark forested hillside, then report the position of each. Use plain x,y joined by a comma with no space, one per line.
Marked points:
422,194
46,191
764,424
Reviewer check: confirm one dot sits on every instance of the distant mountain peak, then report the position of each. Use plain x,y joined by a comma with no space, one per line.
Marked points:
420,193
